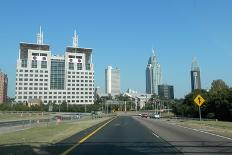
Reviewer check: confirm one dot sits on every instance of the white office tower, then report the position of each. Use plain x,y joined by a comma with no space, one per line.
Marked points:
153,75
112,81
54,78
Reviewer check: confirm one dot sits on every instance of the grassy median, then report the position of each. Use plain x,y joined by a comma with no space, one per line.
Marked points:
50,133
23,116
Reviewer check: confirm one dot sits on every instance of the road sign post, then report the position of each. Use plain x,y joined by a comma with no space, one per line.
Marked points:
199,101
199,110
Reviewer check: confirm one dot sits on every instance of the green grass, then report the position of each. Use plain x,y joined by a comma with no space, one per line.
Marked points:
220,124
22,116
217,127
47,134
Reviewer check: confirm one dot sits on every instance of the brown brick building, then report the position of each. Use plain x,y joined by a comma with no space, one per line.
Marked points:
3,87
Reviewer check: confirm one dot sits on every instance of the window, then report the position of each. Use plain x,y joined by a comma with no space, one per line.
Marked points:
43,64
43,54
24,63
71,66
88,67
34,64
35,54
79,66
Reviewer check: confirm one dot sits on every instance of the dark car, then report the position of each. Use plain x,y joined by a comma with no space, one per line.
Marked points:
144,115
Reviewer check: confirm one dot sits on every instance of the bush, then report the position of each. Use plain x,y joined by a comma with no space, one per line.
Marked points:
210,115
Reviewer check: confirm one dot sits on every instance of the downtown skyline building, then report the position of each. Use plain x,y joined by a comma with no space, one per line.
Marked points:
195,75
166,91
153,75
54,78
112,81
3,87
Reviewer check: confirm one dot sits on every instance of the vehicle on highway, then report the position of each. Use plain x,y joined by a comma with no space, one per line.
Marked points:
144,115
154,115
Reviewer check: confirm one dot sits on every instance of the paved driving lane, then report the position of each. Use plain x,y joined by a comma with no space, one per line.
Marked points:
124,135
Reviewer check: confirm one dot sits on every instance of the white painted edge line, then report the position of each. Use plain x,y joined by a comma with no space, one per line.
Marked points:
202,131
155,135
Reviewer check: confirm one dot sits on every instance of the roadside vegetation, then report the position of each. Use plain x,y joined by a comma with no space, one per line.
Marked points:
45,134
218,103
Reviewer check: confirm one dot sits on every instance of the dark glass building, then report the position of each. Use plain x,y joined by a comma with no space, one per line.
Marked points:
166,91
195,75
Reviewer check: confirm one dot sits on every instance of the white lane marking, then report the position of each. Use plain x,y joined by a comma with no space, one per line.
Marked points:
155,135
203,132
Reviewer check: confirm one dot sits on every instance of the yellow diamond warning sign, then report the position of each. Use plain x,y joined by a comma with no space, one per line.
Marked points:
199,100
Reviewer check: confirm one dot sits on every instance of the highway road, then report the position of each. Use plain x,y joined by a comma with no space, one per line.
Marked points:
124,136
133,135
188,140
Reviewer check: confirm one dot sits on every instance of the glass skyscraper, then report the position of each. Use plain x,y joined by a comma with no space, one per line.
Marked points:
195,75
153,75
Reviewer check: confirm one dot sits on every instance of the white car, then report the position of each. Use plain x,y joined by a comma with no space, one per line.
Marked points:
156,116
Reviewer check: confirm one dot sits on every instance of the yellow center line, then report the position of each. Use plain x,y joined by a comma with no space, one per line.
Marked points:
86,137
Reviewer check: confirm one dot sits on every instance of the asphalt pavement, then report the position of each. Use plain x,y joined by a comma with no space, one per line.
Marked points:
124,136
188,140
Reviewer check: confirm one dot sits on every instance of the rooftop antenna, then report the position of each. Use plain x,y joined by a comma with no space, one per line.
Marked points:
75,40
39,36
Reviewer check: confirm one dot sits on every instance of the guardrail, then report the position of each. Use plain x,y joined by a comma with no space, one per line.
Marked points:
192,118
54,119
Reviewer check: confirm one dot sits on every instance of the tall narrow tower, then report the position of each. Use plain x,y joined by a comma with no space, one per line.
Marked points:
153,75
112,81
195,75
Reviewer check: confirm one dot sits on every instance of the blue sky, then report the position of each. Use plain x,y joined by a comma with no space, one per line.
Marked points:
122,34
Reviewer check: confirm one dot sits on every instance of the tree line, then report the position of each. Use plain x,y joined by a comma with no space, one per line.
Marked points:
218,103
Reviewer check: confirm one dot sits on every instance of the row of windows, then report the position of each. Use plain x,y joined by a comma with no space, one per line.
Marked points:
33,63
20,92
26,79
72,101
80,85
54,97
79,89
86,77
80,81
31,88
86,73
31,84
71,66
39,54
31,75
73,56
32,71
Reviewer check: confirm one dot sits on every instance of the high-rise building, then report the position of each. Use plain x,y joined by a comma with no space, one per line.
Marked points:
97,93
195,75
153,75
3,87
166,91
54,78
112,81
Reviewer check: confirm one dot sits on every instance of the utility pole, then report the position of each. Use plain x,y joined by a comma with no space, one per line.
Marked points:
107,107
125,105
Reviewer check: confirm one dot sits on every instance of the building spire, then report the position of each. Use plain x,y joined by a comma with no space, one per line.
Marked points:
153,51
195,65
39,36
75,40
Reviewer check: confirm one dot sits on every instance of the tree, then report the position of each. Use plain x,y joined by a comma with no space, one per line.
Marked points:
218,85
